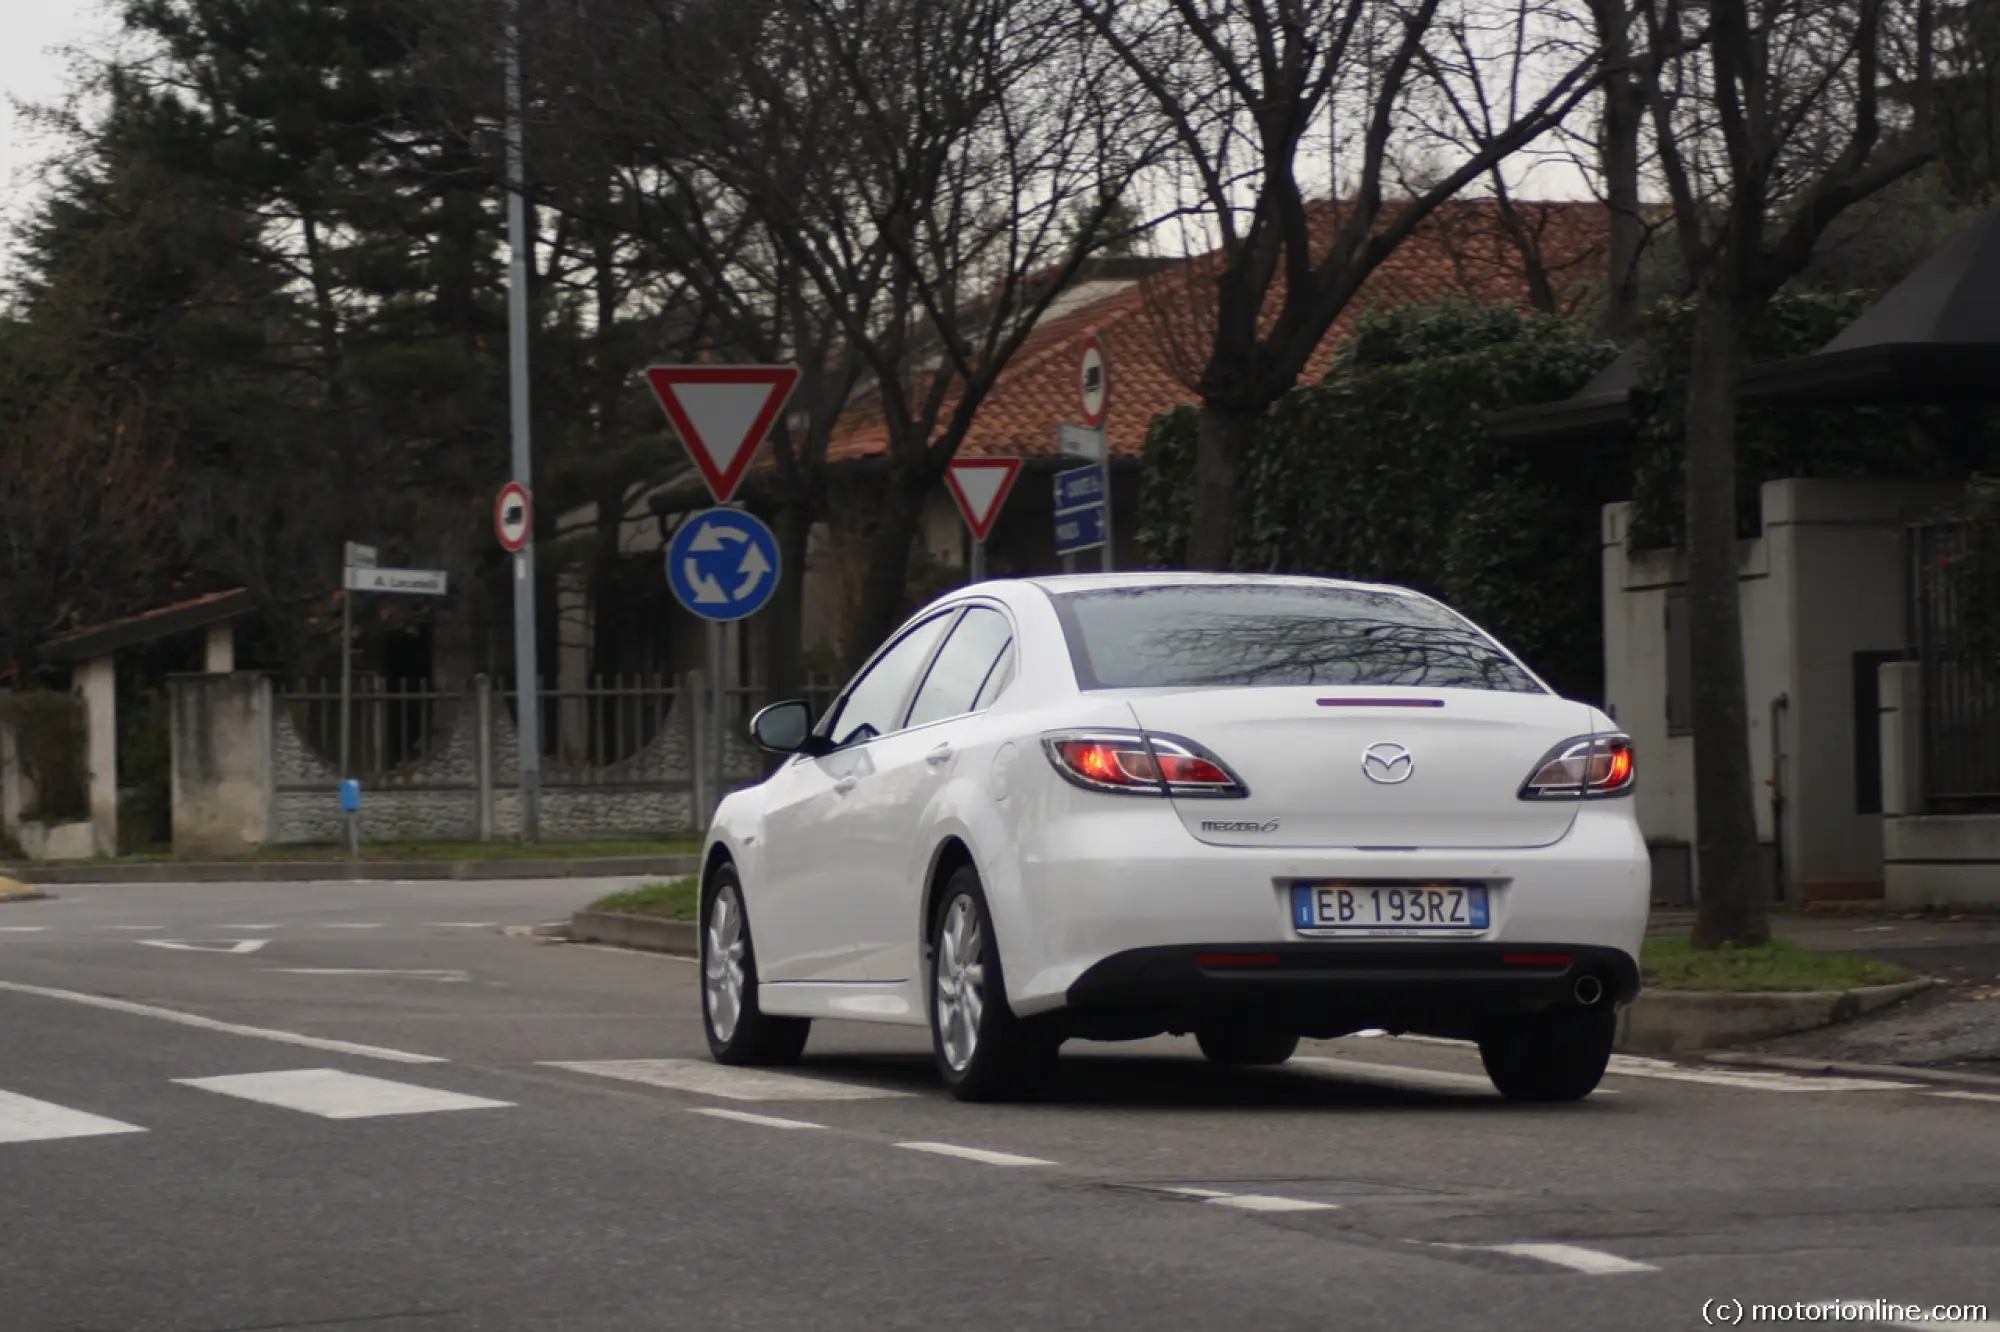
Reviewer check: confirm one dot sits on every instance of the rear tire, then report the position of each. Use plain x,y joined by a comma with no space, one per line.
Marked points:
1246,1047
1556,1055
984,1051
739,1032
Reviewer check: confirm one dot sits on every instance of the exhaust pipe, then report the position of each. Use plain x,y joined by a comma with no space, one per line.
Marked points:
1589,990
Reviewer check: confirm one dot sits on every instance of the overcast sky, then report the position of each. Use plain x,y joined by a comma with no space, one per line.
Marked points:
32,70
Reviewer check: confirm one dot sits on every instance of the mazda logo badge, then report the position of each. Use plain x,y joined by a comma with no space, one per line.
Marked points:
1387,763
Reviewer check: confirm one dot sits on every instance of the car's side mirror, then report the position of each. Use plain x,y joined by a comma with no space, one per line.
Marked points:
786,728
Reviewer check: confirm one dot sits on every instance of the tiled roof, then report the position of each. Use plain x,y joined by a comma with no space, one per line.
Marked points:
1459,250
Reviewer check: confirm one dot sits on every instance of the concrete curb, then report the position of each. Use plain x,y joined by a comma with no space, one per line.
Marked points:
649,934
13,890
1671,1022
329,871
1905,1071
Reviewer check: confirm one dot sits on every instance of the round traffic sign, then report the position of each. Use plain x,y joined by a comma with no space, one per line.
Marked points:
723,564
1094,381
513,516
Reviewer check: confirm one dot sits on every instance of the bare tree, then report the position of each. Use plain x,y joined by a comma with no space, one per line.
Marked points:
936,172
1245,86
1770,119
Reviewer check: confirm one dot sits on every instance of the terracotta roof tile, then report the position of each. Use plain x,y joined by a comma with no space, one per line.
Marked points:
1459,250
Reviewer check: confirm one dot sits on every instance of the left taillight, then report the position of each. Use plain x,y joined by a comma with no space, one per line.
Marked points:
1140,763
1588,767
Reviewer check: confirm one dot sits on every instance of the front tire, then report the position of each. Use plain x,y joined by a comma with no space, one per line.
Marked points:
739,1032
1559,1054
984,1051
1246,1047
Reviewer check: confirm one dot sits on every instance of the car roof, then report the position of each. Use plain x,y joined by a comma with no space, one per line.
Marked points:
1054,583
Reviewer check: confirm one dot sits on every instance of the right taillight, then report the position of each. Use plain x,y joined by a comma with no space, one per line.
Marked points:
1140,763
1589,767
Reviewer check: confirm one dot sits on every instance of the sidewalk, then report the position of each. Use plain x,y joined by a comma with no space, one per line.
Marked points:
554,866
1956,1026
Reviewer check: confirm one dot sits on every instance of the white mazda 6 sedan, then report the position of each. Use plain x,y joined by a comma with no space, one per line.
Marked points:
1247,808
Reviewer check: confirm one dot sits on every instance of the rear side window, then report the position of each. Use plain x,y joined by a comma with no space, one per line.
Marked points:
962,666
1248,635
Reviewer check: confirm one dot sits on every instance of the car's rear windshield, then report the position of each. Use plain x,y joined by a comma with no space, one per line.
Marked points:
1246,635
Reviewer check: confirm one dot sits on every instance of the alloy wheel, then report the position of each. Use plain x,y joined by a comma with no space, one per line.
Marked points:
722,969
961,983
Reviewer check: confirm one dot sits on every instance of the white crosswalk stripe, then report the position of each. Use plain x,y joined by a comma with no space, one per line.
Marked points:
25,1119
332,1094
736,1084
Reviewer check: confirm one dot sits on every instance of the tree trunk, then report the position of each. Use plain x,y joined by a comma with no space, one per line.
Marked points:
1624,115
886,580
784,627
1730,907
1222,445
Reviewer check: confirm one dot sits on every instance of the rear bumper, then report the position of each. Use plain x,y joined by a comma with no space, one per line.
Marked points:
1330,989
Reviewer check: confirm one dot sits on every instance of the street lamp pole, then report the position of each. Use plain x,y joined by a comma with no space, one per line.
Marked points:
527,681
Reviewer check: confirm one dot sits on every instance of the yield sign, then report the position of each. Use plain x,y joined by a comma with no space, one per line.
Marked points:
980,486
194,946
721,413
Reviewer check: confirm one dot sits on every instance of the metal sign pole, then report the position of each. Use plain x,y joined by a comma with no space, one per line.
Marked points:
346,663
718,664
1104,452
978,560
528,677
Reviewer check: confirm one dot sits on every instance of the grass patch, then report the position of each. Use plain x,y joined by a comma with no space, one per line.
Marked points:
1675,964
677,899
426,851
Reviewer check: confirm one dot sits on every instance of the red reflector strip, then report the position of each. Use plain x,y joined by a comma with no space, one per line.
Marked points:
1381,702
1237,960
1536,959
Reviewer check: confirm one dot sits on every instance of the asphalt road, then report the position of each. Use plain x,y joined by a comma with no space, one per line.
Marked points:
196,1087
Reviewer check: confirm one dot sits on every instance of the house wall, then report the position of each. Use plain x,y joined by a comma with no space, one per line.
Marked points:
1929,860
1822,589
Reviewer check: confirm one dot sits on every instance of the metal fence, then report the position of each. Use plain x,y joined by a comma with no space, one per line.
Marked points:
1961,690
588,731
391,723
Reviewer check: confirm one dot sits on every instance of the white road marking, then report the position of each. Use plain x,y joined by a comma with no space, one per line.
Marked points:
351,925
131,927
735,1084
246,927
466,924
25,1119
227,1028
979,1154
192,946
745,1117
1968,1096
445,977
1633,1066
1253,1202
22,929
1418,1079
1261,1202
1421,1079
332,1094
1591,1262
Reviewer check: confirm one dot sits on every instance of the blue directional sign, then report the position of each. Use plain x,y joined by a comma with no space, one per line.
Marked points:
1080,509
723,564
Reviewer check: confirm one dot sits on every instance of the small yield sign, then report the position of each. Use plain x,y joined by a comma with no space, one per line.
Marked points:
980,487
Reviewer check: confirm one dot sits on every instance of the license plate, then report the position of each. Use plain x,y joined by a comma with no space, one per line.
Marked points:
1376,909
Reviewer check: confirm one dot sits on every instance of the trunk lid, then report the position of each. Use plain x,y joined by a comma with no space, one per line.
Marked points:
1331,766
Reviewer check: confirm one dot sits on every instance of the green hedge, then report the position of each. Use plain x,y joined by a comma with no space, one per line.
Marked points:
49,737
1386,471
1773,442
